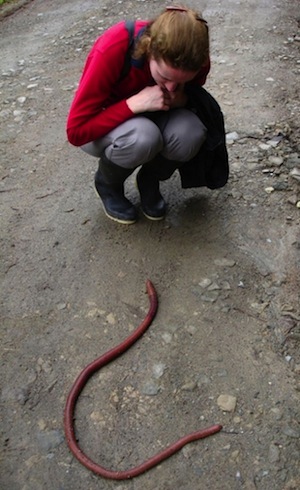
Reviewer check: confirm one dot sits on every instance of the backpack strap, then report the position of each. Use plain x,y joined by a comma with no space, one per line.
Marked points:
129,24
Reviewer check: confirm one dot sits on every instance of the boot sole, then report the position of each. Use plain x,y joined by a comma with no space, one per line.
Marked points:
153,218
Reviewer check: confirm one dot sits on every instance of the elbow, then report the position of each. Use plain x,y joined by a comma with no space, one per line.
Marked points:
73,137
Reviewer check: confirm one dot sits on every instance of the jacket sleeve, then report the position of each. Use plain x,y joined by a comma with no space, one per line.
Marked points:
89,118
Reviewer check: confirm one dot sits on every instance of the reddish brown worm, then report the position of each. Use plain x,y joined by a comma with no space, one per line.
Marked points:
80,383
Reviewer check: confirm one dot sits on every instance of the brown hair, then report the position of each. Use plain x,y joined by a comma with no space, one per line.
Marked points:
178,36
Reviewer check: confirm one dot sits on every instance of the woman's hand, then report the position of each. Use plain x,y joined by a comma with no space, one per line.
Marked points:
156,98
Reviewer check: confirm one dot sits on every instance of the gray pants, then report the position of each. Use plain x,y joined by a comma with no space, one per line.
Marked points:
177,135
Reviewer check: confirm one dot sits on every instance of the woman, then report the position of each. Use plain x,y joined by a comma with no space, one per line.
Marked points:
141,118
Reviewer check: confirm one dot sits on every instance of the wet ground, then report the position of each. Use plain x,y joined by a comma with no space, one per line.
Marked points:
225,265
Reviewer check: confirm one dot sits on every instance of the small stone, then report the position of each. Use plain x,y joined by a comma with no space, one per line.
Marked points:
295,174
274,141
167,337
50,440
269,190
237,419
222,373
277,413
21,100
293,200
281,186
19,395
42,424
235,454
205,282
227,403
188,451
290,432
225,285
225,262
32,461
232,136
18,112
203,380
191,329
213,287
264,146
111,319
158,370
274,453
62,306
150,389
189,386
277,161
210,297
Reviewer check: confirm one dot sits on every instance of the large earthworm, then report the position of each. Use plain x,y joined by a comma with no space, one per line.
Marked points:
83,378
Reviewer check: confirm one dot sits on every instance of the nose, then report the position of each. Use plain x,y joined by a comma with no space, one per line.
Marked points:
171,86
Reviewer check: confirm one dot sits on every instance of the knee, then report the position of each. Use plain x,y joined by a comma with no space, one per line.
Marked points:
185,143
147,142
139,144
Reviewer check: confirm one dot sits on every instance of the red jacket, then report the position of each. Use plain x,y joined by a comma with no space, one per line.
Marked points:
100,103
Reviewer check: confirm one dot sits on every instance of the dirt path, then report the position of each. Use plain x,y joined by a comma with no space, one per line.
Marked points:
225,265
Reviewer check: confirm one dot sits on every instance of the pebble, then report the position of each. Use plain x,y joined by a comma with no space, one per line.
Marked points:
111,319
150,388
62,306
189,386
205,282
50,440
203,379
21,100
234,136
167,337
293,200
290,432
235,454
264,146
158,370
225,262
277,161
19,395
213,287
281,186
274,453
277,413
295,174
210,297
227,403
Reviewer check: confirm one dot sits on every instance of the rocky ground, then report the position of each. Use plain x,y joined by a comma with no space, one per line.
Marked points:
224,346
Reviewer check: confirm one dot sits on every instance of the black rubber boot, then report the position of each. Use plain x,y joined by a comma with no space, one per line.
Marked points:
109,183
153,204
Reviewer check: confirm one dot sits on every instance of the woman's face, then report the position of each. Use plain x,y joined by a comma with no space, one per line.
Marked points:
169,78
